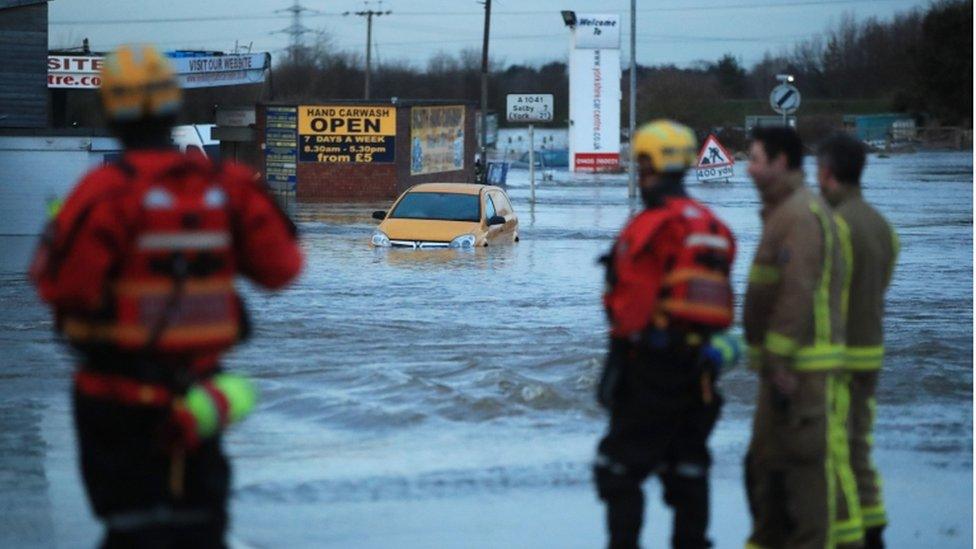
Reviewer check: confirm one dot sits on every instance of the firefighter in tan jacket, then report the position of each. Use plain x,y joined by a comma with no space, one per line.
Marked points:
874,250
794,325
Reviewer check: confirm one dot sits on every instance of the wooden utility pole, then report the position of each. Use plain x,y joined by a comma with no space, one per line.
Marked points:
369,14
484,89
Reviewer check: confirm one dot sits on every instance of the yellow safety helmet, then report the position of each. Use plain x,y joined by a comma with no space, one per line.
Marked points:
671,146
138,82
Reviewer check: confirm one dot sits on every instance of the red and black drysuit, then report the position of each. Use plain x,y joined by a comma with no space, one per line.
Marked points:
657,385
139,267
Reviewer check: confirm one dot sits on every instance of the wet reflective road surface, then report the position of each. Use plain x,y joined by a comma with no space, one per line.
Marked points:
417,375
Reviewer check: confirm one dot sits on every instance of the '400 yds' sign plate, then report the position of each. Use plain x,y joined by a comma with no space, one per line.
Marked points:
346,134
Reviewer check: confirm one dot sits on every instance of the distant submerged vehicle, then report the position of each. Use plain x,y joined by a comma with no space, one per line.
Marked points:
447,215
544,159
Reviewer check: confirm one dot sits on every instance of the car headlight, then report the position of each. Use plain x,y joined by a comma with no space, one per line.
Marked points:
463,241
380,239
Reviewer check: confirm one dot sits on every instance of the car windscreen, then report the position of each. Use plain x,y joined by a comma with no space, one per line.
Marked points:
442,206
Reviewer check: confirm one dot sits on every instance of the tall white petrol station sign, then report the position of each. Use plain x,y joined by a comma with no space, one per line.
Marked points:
594,93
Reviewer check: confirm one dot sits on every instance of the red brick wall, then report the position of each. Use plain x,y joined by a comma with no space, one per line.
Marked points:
323,182
320,182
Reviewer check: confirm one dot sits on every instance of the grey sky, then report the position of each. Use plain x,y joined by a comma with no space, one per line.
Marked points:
669,31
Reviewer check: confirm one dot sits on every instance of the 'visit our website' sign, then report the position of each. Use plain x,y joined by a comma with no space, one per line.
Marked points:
82,71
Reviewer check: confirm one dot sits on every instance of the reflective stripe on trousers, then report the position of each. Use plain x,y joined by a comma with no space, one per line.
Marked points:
847,526
156,516
864,358
861,441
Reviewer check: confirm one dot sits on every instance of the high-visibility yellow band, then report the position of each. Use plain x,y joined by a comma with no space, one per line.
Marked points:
821,297
849,531
763,274
864,359
780,344
829,465
844,235
818,358
874,516
203,408
753,545
805,359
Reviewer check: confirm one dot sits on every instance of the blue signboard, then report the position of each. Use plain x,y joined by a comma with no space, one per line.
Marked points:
281,147
497,173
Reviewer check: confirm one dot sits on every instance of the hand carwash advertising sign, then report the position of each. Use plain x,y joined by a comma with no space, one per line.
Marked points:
594,93
344,134
714,161
194,70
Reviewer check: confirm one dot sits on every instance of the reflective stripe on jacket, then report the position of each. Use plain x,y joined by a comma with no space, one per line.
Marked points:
793,307
874,251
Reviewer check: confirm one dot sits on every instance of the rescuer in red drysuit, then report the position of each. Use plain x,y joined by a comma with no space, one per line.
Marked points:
138,267
668,296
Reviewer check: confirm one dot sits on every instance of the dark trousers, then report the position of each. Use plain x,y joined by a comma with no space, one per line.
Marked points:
146,494
657,428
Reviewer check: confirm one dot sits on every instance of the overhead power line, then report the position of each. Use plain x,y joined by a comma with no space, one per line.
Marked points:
692,8
642,39
149,20
265,17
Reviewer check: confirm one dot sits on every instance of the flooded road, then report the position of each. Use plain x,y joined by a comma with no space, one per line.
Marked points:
418,376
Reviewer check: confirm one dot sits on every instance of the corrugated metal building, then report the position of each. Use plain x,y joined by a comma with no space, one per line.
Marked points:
23,73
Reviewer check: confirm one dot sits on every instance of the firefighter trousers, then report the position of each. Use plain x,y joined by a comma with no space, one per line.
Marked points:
799,483
144,494
860,427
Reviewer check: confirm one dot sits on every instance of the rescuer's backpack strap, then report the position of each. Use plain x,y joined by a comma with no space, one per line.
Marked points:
697,292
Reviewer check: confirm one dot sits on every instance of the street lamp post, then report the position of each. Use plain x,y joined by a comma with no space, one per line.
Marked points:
484,89
632,104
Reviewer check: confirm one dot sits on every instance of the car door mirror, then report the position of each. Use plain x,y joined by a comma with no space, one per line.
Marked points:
496,220
379,214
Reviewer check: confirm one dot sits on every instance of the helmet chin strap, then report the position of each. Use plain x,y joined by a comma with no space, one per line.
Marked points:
147,133
669,184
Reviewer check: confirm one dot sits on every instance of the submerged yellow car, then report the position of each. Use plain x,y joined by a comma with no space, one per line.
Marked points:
447,215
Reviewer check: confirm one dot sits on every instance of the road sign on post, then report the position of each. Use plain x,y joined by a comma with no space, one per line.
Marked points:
530,107
785,99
